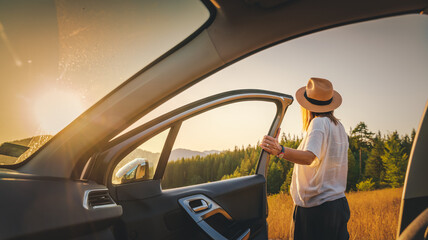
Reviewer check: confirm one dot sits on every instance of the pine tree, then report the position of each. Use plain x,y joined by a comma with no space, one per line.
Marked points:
407,142
274,178
360,142
353,172
395,161
413,135
374,166
221,171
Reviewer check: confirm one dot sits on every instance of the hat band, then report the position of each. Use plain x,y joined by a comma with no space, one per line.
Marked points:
317,102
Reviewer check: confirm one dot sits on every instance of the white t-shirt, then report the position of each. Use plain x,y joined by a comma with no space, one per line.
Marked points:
325,179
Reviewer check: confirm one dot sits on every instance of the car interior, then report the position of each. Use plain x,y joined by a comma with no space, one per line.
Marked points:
77,186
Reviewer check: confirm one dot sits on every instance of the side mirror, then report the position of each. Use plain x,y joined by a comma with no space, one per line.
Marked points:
134,170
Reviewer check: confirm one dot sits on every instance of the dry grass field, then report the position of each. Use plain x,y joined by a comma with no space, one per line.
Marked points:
374,214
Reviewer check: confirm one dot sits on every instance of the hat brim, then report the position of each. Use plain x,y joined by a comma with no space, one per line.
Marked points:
335,103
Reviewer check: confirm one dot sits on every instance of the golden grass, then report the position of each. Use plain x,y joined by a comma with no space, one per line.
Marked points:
374,214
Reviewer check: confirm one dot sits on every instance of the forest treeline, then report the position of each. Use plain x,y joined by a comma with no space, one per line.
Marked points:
374,161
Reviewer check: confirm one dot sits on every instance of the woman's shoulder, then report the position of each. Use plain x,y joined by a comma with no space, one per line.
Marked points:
319,123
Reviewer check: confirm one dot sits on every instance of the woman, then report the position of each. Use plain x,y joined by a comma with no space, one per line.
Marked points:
318,185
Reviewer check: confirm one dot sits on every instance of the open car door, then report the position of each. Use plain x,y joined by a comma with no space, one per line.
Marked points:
218,209
413,222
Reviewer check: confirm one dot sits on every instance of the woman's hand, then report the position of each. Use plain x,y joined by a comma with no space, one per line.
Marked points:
271,145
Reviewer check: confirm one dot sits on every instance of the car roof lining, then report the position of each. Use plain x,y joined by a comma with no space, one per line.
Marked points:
237,35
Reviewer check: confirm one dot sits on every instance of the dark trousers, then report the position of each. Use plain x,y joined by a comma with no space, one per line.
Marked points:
326,221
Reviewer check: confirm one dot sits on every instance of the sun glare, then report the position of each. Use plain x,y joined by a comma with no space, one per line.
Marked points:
54,109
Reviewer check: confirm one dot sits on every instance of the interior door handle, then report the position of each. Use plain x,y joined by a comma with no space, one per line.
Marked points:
201,212
204,206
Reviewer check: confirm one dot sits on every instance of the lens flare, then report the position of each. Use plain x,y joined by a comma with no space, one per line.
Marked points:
55,109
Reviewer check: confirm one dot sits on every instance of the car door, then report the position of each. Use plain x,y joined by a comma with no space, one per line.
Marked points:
413,219
222,209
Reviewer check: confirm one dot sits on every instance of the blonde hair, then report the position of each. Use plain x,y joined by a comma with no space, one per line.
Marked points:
307,117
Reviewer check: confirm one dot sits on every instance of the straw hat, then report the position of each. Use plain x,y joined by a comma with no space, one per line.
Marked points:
318,96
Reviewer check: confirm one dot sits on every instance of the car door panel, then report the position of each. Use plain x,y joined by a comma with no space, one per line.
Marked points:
163,217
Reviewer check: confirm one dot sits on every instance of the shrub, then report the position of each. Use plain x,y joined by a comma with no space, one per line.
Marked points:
366,185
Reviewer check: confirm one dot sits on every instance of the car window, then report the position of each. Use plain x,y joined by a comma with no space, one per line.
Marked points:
219,144
141,163
57,58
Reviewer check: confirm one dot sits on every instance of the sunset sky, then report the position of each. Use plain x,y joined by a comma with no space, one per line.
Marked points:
379,67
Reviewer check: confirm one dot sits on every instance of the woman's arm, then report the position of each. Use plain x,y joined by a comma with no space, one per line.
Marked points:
272,146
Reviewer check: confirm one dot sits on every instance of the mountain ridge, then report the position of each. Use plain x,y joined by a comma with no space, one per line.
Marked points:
179,153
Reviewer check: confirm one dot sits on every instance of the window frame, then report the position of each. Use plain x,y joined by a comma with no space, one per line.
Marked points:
105,162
